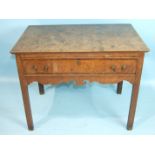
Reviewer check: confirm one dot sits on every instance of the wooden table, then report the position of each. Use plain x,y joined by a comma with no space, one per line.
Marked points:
54,54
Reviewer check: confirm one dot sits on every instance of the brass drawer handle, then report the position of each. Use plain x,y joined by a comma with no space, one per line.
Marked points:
123,67
113,67
45,68
34,68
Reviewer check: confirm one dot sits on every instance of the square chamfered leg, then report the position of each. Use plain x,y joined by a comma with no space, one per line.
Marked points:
119,87
135,91
25,94
41,88
133,104
27,107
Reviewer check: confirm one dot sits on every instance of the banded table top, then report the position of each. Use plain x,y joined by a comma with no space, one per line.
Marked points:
80,38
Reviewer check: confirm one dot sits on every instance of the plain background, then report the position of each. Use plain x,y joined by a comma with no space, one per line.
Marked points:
68,109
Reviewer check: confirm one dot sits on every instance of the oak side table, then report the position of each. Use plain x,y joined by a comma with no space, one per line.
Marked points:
108,53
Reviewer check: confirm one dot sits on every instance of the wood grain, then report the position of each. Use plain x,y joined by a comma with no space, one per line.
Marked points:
78,66
80,38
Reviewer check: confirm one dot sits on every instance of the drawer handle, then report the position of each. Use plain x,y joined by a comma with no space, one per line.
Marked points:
45,68
34,68
113,67
123,67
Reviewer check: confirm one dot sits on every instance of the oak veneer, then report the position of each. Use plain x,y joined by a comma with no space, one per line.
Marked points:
54,54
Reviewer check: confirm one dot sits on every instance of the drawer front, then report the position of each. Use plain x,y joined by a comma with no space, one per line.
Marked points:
79,66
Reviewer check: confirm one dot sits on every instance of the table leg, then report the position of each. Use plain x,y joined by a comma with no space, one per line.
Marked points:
119,87
41,88
133,104
27,107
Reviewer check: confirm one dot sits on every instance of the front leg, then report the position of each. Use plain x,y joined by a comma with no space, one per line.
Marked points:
133,104
25,94
27,107
135,91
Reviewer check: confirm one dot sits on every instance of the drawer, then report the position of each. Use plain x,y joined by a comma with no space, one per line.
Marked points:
79,66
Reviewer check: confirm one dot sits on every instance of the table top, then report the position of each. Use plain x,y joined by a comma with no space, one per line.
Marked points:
80,38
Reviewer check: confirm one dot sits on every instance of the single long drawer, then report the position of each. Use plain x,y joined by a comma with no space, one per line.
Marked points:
79,66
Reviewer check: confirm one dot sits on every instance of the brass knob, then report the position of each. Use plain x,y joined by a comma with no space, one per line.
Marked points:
113,67
123,67
45,68
34,68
